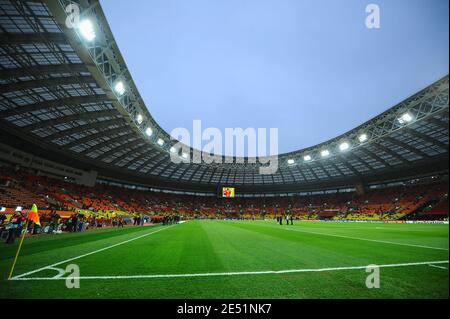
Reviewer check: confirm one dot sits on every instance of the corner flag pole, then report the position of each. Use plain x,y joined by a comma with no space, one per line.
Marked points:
18,250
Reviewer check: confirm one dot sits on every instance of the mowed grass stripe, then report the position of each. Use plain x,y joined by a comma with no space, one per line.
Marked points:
91,253
64,246
432,237
38,244
185,246
307,230
346,248
370,240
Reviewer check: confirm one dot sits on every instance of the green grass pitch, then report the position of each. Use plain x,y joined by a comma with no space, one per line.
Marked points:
234,259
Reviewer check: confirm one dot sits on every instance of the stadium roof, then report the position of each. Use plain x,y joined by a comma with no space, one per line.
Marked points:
59,93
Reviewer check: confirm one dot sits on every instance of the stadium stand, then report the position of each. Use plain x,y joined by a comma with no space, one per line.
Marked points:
23,188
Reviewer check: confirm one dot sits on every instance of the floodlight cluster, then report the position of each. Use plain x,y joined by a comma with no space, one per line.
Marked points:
405,118
119,87
87,30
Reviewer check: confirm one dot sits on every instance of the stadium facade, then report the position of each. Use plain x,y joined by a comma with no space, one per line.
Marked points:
69,108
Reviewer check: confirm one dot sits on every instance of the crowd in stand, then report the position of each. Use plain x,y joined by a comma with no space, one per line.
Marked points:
66,206
53,223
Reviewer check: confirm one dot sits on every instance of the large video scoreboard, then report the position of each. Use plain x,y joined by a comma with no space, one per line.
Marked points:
228,192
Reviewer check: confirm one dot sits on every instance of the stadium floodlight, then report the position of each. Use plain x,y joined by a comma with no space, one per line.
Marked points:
363,137
344,146
87,30
139,119
405,118
307,158
173,149
160,142
325,153
290,161
148,131
119,88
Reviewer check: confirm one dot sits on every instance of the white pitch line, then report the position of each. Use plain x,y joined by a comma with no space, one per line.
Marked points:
88,254
366,239
237,273
61,272
440,267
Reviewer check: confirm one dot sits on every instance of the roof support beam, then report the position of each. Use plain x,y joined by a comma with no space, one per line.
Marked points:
117,139
406,146
40,70
216,168
289,172
201,172
437,122
80,128
141,156
361,160
312,172
24,85
27,38
375,156
161,159
175,169
188,170
337,168
349,166
301,173
126,154
390,152
69,101
69,118
148,161
319,163
91,137
426,138
139,141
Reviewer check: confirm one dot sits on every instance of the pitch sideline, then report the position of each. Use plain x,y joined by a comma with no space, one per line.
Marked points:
367,239
233,273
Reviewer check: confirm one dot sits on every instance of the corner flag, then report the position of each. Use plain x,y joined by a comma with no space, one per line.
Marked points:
33,215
